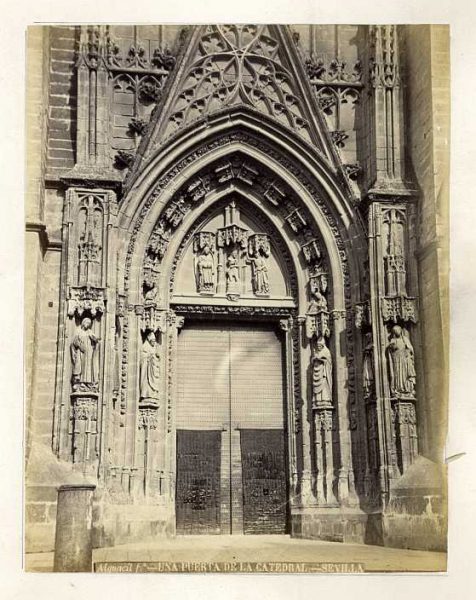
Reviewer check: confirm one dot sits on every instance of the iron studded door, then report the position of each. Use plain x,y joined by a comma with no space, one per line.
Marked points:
198,482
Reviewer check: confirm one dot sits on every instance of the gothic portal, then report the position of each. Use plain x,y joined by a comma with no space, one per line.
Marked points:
229,224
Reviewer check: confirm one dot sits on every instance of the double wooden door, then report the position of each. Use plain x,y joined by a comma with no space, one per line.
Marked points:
231,459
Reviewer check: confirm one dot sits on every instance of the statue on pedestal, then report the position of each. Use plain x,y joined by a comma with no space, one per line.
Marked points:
233,272
401,363
259,274
149,371
205,271
84,358
321,375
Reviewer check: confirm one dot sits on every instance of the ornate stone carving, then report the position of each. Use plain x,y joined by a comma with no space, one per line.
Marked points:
159,240
334,72
137,57
232,243
398,309
84,408
362,315
205,269
124,159
321,375
148,418
405,432
149,371
138,126
151,318
198,189
338,137
402,375
353,170
384,64
393,239
266,312
84,417
324,455
238,63
90,228
86,299
84,358
312,251
296,220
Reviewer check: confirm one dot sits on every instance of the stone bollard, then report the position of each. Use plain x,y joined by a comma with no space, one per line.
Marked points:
73,543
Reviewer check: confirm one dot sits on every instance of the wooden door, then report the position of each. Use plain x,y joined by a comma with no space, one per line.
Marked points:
264,481
198,482
230,380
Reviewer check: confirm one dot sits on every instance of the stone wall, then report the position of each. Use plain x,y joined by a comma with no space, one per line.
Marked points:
428,106
62,100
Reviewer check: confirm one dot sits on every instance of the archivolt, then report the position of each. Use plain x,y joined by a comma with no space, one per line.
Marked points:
170,193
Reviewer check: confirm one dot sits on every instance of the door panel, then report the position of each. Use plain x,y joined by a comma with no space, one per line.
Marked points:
230,379
256,378
198,482
264,487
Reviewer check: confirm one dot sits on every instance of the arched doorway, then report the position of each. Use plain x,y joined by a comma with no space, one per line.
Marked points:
231,419
235,184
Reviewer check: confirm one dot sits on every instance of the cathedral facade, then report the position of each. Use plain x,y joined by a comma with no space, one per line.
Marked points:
236,280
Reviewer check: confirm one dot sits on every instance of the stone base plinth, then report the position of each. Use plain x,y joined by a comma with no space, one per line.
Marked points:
416,513
333,524
115,524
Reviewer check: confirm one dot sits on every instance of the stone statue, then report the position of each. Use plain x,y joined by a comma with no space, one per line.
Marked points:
368,366
84,358
205,271
321,374
233,272
318,302
259,274
151,295
149,370
401,363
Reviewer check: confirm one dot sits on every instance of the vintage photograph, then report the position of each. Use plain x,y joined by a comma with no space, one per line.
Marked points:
236,298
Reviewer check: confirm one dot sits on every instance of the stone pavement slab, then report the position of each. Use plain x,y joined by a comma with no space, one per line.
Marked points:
262,548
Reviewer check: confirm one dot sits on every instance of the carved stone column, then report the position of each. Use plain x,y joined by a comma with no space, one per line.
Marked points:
84,358
391,411
92,98
174,324
291,336
151,428
385,104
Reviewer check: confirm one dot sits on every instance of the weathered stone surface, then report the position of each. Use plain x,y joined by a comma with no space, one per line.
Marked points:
73,541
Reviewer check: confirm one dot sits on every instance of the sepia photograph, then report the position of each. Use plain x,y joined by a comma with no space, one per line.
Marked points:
236,298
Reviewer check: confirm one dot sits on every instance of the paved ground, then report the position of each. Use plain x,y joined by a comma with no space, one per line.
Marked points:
263,548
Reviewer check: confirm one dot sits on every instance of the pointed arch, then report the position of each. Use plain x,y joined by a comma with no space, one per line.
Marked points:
289,162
